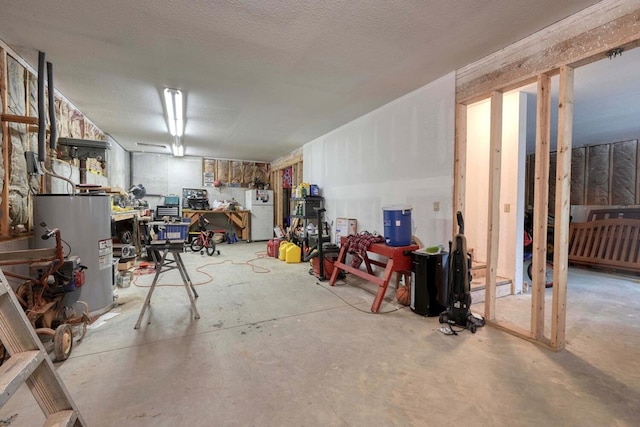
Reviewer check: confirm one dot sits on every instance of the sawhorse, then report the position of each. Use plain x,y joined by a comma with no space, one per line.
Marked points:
163,265
398,261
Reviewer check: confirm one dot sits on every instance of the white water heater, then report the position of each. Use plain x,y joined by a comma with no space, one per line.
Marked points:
84,221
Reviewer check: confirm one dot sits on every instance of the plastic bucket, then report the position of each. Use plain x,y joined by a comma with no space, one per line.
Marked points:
397,225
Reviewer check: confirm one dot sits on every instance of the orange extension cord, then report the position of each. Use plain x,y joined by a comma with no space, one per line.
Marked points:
144,271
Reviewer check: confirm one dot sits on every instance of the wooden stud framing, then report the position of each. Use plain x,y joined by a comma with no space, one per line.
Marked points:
460,163
6,145
580,39
19,119
541,205
493,236
293,160
562,211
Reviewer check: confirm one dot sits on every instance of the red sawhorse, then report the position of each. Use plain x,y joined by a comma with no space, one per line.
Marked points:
398,261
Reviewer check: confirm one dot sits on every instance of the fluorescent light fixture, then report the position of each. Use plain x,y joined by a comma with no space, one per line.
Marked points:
173,104
176,147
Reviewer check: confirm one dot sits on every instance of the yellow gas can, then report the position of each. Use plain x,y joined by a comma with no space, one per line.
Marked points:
282,251
293,253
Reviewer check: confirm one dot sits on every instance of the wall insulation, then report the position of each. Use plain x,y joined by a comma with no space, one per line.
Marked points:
577,175
601,175
623,173
598,175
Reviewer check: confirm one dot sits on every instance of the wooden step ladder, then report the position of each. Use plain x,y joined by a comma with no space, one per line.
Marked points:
30,363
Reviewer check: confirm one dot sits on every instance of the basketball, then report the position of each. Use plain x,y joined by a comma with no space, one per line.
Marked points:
403,295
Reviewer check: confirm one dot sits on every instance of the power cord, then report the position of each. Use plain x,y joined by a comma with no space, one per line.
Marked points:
255,268
353,306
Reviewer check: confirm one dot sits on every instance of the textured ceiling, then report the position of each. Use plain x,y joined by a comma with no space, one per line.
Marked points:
261,78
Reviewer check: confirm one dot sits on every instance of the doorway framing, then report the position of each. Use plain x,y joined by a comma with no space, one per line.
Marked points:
580,39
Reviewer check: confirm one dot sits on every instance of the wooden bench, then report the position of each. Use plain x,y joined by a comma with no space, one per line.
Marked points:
398,261
610,243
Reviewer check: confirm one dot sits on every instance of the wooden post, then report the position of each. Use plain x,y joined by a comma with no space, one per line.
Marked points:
540,205
460,163
562,209
6,145
493,226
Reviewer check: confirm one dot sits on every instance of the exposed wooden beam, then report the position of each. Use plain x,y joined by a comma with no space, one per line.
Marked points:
519,332
19,119
562,209
577,40
288,160
493,226
460,163
6,145
540,204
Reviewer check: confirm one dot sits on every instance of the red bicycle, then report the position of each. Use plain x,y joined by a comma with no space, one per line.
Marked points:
204,241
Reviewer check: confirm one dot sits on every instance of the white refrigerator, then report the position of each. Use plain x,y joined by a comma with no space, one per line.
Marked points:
260,203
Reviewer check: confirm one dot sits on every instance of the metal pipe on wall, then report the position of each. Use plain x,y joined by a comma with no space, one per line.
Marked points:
53,128
42,123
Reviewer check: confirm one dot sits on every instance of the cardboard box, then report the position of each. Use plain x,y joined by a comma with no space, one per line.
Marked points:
123,266
345,227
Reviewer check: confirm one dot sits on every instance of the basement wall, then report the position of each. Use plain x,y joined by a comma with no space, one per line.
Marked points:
513,164
400,153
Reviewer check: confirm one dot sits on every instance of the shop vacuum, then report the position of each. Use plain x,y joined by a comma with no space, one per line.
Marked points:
458,311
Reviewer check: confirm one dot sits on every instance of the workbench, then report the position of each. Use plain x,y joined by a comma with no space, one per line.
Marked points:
398,260
239,219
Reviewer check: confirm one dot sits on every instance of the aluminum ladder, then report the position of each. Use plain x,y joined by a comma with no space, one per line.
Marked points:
30,363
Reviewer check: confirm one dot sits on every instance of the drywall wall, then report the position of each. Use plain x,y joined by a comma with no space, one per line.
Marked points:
400,153
513,164
164,174
118,166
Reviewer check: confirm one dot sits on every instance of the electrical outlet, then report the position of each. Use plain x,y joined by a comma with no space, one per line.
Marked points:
507,207
436,206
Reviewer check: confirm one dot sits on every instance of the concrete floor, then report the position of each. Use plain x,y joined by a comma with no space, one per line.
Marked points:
275,348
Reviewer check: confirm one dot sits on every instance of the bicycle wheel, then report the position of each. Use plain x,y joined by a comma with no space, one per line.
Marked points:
548,274
196,244
211,248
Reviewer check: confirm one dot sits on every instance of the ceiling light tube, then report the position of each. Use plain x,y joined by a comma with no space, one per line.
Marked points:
176,147
177,150
173,105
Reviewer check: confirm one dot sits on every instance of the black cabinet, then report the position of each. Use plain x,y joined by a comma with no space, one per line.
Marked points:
429,279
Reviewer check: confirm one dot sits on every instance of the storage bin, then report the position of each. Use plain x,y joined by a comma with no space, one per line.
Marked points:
178,231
